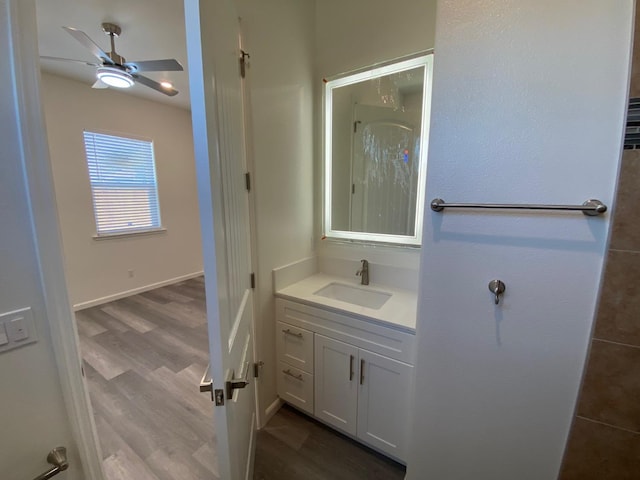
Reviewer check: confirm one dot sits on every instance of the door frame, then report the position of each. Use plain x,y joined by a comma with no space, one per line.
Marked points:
24,59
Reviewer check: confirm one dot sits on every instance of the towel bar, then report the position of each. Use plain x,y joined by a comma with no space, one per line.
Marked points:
591,207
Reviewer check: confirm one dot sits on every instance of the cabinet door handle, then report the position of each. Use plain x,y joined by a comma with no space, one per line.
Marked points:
289,332
361,371
351,359
288,372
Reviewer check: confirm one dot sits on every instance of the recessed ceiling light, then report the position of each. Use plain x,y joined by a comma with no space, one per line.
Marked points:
114,77
166,85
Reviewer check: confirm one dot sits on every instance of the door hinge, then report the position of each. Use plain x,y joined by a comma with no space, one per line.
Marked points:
256,368
247,181
243,63
253,280
353,188
218,395
82,370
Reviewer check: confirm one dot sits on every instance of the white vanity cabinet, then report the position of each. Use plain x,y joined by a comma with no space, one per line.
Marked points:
361,372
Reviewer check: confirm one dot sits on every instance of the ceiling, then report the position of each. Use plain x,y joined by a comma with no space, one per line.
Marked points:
151,29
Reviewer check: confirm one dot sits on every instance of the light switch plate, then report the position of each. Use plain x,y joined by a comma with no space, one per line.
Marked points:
18,327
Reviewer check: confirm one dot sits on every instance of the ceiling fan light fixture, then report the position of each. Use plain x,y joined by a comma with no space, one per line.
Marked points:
166,85
114,77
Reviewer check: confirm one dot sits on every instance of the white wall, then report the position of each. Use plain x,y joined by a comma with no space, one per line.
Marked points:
33,418
529,103
98,269
354,34
279,37
358,33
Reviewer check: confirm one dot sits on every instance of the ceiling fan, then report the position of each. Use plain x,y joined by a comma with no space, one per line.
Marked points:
113,69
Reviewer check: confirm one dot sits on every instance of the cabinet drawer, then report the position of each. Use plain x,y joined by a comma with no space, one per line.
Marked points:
295,346
295,387
384,340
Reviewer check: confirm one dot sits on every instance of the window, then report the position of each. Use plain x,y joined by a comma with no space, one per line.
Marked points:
123,184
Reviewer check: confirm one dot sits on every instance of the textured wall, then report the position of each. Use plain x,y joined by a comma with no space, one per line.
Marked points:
519,115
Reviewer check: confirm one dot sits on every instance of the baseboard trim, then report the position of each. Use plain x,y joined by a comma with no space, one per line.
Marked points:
134,291
271,410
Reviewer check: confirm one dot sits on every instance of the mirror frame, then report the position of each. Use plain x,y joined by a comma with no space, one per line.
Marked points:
424,59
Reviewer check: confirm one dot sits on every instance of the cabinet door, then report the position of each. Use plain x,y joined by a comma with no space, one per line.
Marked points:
336,383
385,387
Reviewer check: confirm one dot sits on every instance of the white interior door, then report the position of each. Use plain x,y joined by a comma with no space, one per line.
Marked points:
213,45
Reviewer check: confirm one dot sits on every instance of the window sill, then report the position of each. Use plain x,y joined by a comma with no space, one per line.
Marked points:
141,233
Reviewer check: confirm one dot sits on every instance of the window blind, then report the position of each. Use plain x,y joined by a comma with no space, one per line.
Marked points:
122,173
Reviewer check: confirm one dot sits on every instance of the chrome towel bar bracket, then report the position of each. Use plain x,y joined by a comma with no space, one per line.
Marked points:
591,207
57,458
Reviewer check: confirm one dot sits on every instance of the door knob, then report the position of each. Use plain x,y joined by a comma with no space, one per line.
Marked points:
497,287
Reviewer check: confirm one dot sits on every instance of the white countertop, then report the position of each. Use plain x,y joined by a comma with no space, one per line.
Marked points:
398,311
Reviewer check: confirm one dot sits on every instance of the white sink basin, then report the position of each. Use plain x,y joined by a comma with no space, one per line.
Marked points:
361,296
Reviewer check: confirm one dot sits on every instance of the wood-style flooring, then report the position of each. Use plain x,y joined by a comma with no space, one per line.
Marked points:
295,447
143,359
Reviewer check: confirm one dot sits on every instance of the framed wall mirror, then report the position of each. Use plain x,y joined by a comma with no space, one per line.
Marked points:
376,129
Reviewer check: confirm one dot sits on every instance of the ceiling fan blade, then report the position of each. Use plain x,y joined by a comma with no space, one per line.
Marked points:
99,84
84,39
60,59
155,85
166,65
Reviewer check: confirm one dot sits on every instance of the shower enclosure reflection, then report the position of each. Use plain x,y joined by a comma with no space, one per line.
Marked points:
375,152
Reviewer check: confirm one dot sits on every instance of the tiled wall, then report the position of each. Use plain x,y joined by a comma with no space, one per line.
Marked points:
605,439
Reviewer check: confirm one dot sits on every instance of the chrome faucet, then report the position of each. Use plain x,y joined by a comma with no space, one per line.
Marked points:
364,273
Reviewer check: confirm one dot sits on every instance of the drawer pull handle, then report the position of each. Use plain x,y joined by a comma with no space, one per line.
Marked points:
289,332
288,372
361,371
351,359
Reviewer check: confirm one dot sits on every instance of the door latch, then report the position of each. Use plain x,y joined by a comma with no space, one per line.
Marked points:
235,383
218,395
